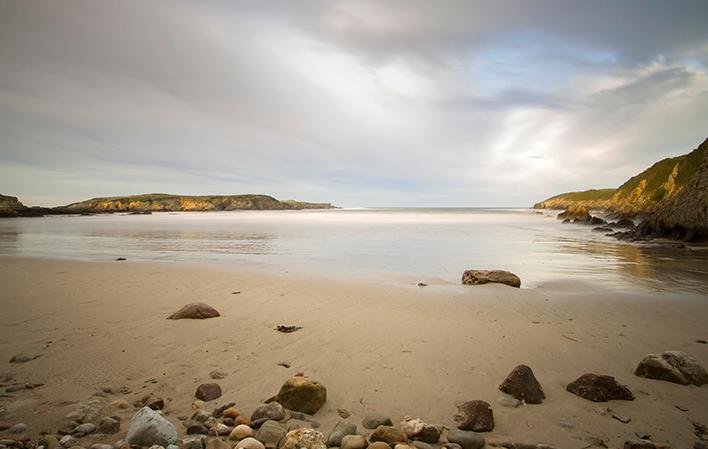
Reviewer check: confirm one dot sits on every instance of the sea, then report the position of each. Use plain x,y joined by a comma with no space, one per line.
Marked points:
398,244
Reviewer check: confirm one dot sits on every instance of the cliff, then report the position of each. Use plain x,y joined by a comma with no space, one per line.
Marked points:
642,193
10,206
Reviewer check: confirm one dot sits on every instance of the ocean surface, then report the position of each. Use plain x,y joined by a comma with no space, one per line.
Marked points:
434,245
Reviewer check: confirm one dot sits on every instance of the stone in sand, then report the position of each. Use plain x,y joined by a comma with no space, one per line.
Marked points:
18,428
672,366
639,444
208,392
389,435
101,446
230,412
599,388
273,411
417,444
466,439
84,429
108,425
49,442
195,310
342,429
303,439
378,445
249,443
417,429
475,415
508,401
478,277
194,442
220,429
270,433
24,357
240,432
373,421
147,427
217,443
353,442
522,385
68,441
302,394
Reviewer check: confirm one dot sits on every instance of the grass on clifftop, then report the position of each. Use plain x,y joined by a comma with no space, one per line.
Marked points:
587,195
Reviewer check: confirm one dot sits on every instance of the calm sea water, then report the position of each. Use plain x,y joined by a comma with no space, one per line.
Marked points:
391,243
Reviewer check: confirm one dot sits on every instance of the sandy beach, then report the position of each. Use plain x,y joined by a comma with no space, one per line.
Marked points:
378,347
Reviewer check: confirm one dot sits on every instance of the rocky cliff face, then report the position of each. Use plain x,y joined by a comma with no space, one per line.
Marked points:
10,206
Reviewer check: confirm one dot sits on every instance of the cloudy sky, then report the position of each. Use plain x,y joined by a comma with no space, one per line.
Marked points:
361,103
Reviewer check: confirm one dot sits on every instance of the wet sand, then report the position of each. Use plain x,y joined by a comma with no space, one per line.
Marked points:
378,347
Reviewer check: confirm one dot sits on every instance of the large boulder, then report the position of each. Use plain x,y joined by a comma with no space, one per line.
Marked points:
302,394
303,439
599,388
195,311
672,366
478,277
475,415
522,385
148,428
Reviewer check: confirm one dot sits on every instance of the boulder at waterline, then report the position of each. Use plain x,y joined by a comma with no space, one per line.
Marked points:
599,388
523,385
672,366
303,439
195,311
479,277
147,427
302,394
475,415
273,411
465,438
373,421
208,392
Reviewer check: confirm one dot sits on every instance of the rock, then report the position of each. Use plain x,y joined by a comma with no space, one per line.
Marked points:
217,443
231,412
522,385
599,388
120,403
602,229
342,429
196,428
217,374
270,433
353,442
249,443
452,445
108,426
672,366
273,411
87,412
344,413
508,401
241,419
417,429
403,446
389,435
240,432
18,428
195,310
208,392
302,394
24,357
49,442
219,411
200,415
194,442
575,214
286,329
700,445
68,441
374,421
476,416
155,403
304,439
378,445
466,439
101,446
478,277
639,444
417,444
147,427
220,429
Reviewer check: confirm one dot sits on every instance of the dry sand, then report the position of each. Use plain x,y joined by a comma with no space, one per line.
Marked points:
378,347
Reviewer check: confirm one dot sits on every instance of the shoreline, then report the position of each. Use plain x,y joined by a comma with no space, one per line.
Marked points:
378,348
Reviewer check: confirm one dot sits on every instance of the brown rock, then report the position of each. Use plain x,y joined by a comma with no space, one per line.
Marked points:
389,435
476,416
242,419
378,445
231,412
208,392
522,385
599,388
478,277
195,310
302,394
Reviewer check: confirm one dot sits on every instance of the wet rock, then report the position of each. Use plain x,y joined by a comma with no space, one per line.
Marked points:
147,427
194,442
249,443
108,426
302,394
389,435
672,366
208,392
417,429
273,411
466,439
303,439
342,429
195,310
374,421
475,415
599,388
478,277
24,357
240,432
270,433
353,442
522,385
18,428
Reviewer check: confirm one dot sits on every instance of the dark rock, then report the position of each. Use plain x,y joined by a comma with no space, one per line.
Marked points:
219,411
108,426
195,310
599,388
287,329
672,366
700,445
389,435
24,357
374,421
417,429
272,411
596,221
208,392
302,394
623,223
196,428
475,415
466,439
602,229
639,444
522,385
120,259
156,403
478,277
270,433
342,429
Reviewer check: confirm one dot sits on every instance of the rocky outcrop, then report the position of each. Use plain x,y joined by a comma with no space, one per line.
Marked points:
672,366
479,277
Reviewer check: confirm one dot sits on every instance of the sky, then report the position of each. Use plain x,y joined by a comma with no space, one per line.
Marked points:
358,103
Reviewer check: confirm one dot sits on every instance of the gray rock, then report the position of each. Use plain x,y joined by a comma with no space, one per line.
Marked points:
451,446
373,421
421,445
196,428
7,442
672,366
18,428
273,411
342,429
171,446
68,441
194,442
270,433
85,429
24,357
508,401
220,429
108,425
465,438
147,428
